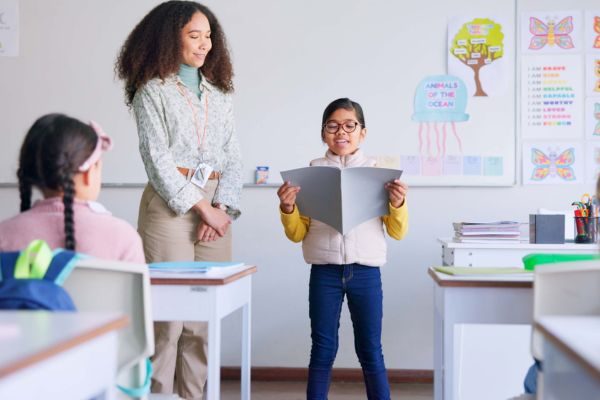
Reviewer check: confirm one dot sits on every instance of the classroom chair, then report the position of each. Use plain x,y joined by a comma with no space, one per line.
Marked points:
570,288
110,286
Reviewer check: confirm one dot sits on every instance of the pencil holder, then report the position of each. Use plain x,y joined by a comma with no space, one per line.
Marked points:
586,229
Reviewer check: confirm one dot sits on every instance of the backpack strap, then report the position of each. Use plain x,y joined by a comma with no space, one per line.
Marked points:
33,262
7,264
144,389
62,264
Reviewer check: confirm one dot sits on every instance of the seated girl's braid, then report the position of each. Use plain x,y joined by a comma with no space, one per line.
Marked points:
69,194
24,191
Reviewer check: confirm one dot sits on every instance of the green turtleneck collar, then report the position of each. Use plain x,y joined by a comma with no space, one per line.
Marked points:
190,77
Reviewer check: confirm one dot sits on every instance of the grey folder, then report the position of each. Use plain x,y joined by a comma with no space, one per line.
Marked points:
342,198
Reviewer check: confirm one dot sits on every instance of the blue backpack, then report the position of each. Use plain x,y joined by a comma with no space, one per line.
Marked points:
31,279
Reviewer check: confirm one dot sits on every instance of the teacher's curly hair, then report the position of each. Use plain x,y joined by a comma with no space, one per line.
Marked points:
153,48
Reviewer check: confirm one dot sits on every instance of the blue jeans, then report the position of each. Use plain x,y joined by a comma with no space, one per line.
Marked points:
362,286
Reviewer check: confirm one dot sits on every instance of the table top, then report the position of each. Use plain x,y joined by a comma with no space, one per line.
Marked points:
505,281
28,337
450,243
577,336
212,277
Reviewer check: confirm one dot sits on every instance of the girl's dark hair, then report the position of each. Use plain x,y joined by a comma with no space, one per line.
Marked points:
54,148
346,104
153,48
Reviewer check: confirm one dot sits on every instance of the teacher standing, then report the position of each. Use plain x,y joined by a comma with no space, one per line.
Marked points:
178,81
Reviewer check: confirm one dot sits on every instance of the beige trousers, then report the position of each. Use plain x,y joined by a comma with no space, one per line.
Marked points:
180,347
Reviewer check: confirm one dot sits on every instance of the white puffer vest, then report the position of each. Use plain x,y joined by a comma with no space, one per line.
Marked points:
365,244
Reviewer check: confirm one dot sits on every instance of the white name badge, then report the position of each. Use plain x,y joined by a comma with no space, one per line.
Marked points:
201,175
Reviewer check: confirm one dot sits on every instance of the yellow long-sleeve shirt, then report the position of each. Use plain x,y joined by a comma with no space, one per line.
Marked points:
296,225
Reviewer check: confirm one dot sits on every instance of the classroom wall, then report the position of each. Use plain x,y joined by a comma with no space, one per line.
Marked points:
280,302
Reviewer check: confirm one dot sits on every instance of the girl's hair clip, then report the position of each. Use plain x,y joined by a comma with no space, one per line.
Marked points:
104,143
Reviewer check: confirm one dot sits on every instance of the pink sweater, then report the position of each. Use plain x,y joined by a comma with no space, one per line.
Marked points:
97,232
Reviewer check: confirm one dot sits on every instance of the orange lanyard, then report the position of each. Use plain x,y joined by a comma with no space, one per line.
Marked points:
195,115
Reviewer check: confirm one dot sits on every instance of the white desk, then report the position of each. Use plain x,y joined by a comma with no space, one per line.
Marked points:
496,254
460,302
58,355
571,357
209,298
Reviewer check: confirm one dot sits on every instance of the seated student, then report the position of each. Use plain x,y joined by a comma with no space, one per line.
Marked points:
61,156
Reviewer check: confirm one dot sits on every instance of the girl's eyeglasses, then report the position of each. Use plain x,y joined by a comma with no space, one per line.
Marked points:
333,127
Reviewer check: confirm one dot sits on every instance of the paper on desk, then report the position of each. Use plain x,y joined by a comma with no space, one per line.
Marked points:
342,198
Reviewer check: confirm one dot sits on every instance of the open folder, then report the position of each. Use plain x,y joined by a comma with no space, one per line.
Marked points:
342,198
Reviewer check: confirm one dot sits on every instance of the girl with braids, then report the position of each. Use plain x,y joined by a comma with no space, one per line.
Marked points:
178,80
61,157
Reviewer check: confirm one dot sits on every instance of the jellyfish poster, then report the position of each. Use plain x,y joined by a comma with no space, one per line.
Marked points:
552,163
448,149
478,53
551,32
440,103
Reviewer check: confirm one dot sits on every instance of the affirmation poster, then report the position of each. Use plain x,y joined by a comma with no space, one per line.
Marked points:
551,93
552,163
551,32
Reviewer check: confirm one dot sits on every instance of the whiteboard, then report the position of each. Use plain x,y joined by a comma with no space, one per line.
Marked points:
290,58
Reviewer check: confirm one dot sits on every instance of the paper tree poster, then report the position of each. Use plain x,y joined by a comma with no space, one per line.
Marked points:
551,32
592,31
478,54
552,163
552,93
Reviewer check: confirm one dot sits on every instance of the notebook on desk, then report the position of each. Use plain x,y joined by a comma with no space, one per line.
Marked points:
188,269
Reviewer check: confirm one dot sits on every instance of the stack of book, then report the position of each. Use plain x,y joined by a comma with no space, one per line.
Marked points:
483,232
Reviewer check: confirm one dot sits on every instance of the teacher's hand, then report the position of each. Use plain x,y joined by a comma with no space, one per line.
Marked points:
205,233
213,217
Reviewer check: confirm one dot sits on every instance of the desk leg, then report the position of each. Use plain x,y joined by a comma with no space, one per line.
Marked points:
438,350
246,330
214,356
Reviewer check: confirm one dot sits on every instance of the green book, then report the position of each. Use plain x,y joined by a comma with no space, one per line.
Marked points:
465,271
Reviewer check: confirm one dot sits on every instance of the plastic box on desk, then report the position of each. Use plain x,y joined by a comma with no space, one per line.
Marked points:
546,228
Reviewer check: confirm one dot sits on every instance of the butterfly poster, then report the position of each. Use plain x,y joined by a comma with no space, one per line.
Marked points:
592,162
551,32
592,118
592,74
552,163
592,31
